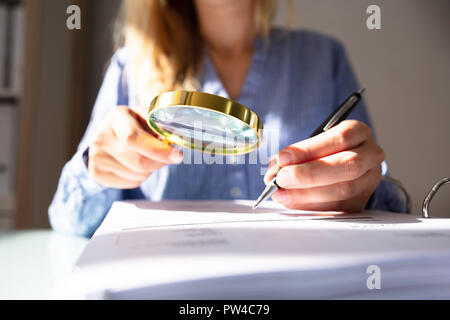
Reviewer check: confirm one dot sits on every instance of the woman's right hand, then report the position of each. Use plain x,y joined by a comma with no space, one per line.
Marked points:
125,152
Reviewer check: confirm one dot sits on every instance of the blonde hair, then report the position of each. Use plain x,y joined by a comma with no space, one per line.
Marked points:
164,44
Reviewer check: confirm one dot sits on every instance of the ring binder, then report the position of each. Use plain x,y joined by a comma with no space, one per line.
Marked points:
430,196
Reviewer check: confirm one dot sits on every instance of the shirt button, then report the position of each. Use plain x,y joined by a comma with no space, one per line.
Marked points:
236,192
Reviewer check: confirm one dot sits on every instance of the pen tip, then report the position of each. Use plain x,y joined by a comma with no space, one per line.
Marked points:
362,91
257,203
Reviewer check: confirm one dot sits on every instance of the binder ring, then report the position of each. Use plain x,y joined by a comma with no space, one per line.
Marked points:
431,194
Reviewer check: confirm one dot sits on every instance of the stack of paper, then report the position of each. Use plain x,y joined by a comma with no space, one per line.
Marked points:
225,250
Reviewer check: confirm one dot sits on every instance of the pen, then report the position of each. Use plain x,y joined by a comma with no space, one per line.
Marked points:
339,115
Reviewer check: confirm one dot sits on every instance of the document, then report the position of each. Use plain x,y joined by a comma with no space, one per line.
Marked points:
226,250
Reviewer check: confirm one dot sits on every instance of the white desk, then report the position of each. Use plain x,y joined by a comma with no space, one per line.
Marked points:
32,262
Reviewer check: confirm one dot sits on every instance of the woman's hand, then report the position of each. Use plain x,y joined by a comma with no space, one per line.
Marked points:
337,170
125,152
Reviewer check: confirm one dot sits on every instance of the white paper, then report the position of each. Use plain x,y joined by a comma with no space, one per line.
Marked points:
184,249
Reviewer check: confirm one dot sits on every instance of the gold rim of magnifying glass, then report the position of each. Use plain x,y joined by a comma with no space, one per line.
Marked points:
202,100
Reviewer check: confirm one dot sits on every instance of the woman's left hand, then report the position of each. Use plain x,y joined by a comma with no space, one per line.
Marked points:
337,170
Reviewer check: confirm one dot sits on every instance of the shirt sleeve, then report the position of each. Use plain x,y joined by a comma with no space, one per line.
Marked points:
387,197
80,203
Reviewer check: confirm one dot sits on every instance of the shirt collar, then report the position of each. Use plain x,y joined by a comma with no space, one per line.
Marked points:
211,83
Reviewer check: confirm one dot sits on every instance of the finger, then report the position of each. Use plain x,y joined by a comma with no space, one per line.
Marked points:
315,206
127,127
124,154
347,135
273,169
134,160
106,162
356,204
343,166
331,193
112,180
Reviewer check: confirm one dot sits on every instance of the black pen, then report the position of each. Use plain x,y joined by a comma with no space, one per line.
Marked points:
339,115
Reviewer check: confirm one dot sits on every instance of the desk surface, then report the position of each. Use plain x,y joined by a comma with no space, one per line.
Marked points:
33,262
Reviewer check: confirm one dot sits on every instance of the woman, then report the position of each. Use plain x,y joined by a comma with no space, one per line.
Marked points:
291,79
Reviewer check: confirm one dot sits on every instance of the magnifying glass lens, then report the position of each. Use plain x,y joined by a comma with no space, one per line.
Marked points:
204,129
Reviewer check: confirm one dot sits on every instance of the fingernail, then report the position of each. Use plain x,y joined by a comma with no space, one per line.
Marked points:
285,158
281,196
266,179
272,163
176,156
284,178
271,171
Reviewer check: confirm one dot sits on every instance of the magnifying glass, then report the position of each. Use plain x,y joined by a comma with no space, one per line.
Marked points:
205,122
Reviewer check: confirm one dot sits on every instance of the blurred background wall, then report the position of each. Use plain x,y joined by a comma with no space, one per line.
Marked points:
405,67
